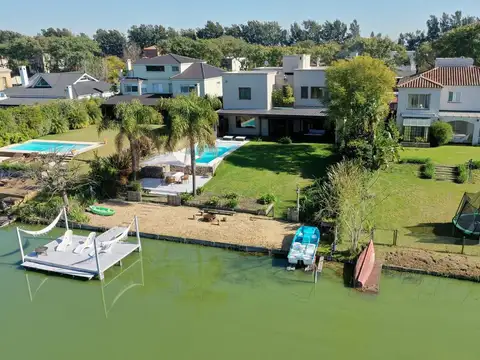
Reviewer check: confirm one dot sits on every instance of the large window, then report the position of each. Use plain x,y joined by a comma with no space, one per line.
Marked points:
185,89
41,83
304,92
131,88
175,68
454,97
415,133
245,93
317,92
245,122
155,68
419,101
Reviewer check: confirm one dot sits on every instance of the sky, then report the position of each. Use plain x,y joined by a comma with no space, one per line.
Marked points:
384,16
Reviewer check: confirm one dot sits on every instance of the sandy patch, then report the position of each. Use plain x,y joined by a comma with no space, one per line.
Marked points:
243,229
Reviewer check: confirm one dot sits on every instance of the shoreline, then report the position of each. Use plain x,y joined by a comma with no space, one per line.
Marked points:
258,250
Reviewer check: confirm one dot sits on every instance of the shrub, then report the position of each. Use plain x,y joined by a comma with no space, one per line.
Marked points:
360,150
285,140
213,201
231,196
199,191
266,199
476,164
185,197
232,203
92,107
110,174
258,139
415,160
47,208
441,133
283,97
76,113
136,186
462,176
428,170
14,166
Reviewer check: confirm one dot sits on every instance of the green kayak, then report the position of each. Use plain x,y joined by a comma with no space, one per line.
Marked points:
100,210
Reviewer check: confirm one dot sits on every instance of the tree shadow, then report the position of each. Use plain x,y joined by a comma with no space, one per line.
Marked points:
292,159
439,233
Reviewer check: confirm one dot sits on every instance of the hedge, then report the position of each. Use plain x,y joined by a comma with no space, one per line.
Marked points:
23,123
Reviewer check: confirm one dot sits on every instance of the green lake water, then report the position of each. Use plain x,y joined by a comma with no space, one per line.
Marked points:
187,302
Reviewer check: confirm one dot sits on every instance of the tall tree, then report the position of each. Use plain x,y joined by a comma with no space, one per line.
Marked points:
354,29
433,28
334,31
191,118
135,122
7,36
313,31
189,33
111,42
146,35
267,33
211,30
462,41
297,34
234,30
55,32
425,57
21,51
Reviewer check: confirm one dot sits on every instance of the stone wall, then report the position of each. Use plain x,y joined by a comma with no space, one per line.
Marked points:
156,172
200,170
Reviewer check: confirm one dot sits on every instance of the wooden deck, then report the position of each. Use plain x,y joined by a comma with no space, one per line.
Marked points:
80,265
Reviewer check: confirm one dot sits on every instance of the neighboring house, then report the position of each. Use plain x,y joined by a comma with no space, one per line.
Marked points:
247,101
171,75
46,87
150,52
450,92
5,78
233,64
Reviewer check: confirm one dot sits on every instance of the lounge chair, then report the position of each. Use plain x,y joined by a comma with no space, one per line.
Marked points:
109,238
240,138
66,241
88,243
227,137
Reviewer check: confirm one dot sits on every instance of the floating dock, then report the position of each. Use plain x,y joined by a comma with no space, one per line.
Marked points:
89,263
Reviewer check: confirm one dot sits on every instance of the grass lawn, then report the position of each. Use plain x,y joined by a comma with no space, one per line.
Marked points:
421,209
263,167
446,155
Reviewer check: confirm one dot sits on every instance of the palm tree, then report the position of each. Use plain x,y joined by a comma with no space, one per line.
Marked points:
134,122
192,118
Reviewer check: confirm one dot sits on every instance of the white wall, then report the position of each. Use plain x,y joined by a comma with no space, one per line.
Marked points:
232,127
177,86
309,77
403,102
141,71
469,98
213,86
260,83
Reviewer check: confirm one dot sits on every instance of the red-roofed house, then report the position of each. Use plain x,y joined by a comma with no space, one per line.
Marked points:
449,92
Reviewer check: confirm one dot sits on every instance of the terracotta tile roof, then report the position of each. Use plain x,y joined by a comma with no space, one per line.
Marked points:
444,76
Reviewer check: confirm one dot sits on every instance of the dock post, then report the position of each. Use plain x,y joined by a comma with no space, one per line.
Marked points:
20,244
65,217
137,230
97,260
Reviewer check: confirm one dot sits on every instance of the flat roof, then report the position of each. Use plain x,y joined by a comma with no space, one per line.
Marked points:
278,112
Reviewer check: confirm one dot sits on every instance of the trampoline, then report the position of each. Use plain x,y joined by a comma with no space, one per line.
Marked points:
467,218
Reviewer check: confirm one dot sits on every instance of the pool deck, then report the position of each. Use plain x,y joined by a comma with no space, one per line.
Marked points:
80,265
10,149
160,187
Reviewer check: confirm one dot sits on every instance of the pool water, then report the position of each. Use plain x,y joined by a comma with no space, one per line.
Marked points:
210,154
193,302
48,146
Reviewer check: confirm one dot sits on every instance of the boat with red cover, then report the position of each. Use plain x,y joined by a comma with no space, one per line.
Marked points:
364,266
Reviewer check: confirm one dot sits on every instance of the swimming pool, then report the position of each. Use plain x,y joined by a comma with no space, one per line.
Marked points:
46,146
210,154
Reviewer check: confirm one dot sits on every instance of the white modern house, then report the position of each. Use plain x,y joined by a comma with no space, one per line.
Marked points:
45,87
450,92
247,101
171,75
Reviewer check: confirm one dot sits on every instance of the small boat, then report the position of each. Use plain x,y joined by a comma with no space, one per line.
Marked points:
304,246
364,266
100,210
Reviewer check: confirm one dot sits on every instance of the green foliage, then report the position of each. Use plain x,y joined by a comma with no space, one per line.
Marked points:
462,176
266,199
199,191
415,160
231,196
76,113
231,203
441,133
14,166
185,197
361,150
476,164
428,170
135,186
283,97
258,139
213,201
286,140
110,174
46,208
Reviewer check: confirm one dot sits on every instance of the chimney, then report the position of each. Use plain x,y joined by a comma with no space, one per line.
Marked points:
69,92
139,84
23,75
129,65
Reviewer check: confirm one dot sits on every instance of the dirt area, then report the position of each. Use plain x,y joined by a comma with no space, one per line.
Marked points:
177,221
449,264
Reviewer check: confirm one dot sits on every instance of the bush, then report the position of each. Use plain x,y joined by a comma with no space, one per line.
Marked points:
441,133
185,197
360,150
428,170
213,201
46,208
136,186
283,97
475,164
232,203
110,174
285,140
462,176
231,196
14,166
266,199
258,139
415,160
199,191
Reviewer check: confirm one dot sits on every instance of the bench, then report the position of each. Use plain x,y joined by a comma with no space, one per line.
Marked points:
219,211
